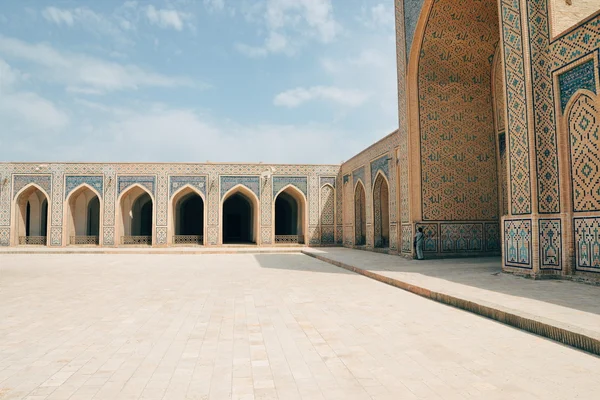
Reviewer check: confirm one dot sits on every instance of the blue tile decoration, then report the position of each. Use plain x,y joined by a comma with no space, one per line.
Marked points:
550,243
430,231
517,243
73,181
381,164
177,182
582,76
346,178
300,182
251,182
492,237
359,174
412,11
43,181
587,244
149,182
327,180
457,238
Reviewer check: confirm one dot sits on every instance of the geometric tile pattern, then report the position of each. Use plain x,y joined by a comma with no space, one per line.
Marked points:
517,243
149,182
327,211
412,11
582,76
401,155
550,243
72,182
300,182
492,237
587,244
431,237
458,151
461,237
251,182
516,105
359,174
4,236
584,140
43,181
407,236
327,180
177,182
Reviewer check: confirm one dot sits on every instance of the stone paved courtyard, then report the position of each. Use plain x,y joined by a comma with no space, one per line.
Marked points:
264,326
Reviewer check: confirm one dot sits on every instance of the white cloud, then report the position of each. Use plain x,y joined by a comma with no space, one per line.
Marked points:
379,16
32,110
291,22
82,73
9,76
166,18
296,97
215,5
58,16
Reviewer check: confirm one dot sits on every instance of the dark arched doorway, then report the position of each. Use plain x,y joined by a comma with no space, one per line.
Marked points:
289,216
360,217
239,220
381,210
188,214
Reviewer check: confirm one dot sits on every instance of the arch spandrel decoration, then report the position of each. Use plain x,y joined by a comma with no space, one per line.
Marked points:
43,181
327,180
359,174
381,164
580,77
300,182
177,182
250,182
74,181
124,182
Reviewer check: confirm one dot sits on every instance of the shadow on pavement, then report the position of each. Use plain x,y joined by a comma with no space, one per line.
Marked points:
297,262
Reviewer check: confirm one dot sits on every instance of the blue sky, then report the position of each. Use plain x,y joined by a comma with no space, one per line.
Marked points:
302,81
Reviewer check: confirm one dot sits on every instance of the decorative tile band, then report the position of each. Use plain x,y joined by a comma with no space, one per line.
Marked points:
251,182
359,174
74,181
177,182
517,243
149,182
461,237
43,181
582,76
300,182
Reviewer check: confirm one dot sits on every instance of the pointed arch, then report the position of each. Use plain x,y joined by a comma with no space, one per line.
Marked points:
187,216
136,217
360,214
30,216
290,222
239,216
83,214
381,210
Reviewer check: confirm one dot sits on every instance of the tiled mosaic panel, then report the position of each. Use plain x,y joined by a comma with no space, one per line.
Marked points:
74,181
550,243
543,110
517,243
314,234
499,114
381,164
56,236
57,193
412,11
582,76
587,244
584,138
458,149
457,238
266,200
177,182
108,236
407,238
402,137
5,236
265,237
213,235
5,196
43,181
492,237
339,235
300,182
327,235
251,182
516,105
431,237
109,195
161,235
393,237
327,180
327,211
124,182
359,174
313,200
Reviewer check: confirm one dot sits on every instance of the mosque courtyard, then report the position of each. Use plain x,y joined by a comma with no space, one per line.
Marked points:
255,326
